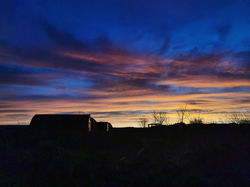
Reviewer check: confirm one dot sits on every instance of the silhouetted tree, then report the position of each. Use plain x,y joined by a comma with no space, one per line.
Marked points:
239,118
143,122
182,113
160,117
195,118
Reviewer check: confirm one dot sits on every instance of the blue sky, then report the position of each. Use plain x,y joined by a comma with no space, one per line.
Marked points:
111,57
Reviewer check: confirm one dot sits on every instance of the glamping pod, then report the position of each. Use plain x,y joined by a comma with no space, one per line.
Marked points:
68,121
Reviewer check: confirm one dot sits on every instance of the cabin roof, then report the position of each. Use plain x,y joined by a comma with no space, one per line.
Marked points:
60,119
63,115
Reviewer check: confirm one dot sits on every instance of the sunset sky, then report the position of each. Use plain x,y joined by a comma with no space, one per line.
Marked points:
122,59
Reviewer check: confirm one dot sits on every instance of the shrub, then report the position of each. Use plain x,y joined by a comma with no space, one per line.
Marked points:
196,121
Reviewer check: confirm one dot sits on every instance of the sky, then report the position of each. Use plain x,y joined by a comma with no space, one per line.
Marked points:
121,60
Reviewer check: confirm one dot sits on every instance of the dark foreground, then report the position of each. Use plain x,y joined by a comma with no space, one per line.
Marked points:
170,156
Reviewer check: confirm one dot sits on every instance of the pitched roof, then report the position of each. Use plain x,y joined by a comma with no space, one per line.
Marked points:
60,120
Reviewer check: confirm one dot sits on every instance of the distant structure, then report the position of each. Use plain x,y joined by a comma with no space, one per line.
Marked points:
154,125
69,121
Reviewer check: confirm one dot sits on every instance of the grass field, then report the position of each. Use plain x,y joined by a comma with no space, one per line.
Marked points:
208,155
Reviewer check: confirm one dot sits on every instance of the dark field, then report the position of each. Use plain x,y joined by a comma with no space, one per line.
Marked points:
215,155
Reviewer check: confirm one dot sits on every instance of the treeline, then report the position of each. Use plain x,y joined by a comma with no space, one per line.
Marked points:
191,117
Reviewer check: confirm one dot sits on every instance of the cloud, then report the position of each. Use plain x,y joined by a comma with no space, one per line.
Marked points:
207,81
223,31
114,64
18,75
120,79
15,111
244,58
165,46
63,38
115,69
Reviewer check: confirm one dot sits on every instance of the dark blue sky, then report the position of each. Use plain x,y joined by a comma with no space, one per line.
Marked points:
120,59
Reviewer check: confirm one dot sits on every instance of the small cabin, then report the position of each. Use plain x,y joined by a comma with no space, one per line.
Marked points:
69,121
65,121
103,126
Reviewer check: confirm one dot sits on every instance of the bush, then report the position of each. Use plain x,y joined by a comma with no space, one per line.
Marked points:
196,121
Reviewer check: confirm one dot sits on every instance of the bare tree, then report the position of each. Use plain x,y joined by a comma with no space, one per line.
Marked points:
239,118
235,117
182,113
160,117
195,117
143,122
246,118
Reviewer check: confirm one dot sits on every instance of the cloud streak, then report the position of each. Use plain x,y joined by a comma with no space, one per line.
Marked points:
115,75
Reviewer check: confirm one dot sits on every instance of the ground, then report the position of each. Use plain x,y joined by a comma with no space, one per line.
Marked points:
208,155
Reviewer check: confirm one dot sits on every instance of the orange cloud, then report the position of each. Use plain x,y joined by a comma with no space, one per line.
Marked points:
200,81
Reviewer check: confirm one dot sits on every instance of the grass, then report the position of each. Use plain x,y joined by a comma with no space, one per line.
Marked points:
207,155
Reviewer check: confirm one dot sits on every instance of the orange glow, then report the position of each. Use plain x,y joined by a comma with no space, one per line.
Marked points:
126,105
202,81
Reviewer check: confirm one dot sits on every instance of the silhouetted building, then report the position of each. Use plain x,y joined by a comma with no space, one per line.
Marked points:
103,126
69,121
63,121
